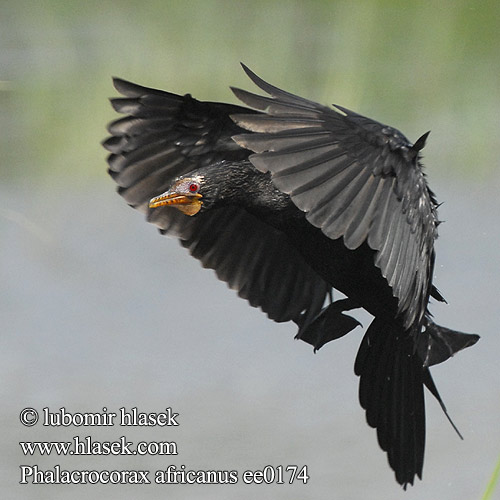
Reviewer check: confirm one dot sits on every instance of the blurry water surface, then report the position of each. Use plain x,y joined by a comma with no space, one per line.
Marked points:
98,310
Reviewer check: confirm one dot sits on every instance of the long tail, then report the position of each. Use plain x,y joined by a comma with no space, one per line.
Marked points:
391,390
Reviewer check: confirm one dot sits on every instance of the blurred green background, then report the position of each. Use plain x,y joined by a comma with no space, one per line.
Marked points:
88,313
414,65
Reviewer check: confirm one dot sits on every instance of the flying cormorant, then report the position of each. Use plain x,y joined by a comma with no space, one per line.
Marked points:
287,200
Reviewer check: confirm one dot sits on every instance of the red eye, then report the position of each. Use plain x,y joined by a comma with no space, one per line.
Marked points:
193,187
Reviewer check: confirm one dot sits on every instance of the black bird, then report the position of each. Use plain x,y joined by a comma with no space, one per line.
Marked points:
287,201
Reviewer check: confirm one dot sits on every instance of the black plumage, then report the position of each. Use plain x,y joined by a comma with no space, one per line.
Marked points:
286,200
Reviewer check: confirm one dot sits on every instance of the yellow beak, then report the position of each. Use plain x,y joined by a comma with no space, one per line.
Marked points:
188,204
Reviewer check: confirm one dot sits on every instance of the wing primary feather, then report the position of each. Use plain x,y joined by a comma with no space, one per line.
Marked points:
357,231
376,236
279,141
275,91
344,206
272,106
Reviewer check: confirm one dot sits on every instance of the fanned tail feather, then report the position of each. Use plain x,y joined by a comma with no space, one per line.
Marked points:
437,343
393,370
391,390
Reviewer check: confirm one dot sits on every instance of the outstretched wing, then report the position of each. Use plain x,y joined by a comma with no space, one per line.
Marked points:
165,135
355,178
253,258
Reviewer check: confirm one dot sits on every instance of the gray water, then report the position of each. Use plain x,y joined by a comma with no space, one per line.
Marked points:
99,310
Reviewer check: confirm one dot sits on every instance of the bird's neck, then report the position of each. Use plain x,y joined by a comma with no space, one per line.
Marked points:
253,190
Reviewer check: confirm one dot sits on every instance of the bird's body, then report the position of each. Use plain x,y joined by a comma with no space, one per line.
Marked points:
350,271
289,202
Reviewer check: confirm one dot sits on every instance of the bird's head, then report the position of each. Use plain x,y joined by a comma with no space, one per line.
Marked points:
221,184
185,194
